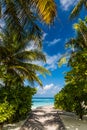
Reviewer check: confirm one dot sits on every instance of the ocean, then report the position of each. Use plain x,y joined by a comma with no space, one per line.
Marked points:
42,101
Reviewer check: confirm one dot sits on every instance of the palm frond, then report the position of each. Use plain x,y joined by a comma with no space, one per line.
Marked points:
85,4
70,43
37,68
62,60
31,55
77,9
46,10
27,73
19,17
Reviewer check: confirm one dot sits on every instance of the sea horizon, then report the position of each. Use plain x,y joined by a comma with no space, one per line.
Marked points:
43,97
42,101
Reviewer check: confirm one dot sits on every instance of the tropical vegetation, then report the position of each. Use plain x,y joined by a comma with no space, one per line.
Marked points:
23,16
78,7
20,48
73,97
17,65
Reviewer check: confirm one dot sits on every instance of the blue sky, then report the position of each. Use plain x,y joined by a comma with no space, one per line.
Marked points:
54,39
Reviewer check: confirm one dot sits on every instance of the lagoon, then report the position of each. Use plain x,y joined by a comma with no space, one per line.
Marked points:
42,101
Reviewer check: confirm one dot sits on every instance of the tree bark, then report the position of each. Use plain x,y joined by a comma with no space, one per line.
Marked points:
81,116
1,126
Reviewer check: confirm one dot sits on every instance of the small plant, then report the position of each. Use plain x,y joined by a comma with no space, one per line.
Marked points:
6,111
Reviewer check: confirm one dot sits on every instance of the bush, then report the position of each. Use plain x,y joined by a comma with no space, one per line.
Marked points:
6,111
70,98
21,98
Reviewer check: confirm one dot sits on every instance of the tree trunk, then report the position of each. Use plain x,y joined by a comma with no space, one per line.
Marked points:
81,116
1,126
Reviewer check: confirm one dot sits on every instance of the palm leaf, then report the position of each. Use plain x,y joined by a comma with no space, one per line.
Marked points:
77,9
63,60
31,55
28,74
85,4
46,10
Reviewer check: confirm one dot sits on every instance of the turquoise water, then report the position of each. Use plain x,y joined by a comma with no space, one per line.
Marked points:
42,101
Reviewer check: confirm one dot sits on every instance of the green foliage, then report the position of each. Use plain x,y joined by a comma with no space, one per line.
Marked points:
20,97
62,61
71,98
6,111
74,93
63,100
16,65
22,15
16,58
75,12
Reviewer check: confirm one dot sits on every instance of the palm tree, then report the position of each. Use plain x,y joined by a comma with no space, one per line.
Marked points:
17,61
22,15
80,41
19,9
78,8
77,44
78,58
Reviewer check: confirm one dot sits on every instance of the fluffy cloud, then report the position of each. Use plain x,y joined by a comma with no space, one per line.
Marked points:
55,41
67,3
47,87
48,90
52,61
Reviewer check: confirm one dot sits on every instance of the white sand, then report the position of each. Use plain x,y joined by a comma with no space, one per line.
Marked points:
70,120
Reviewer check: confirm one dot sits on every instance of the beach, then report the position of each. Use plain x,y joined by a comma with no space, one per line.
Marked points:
48,118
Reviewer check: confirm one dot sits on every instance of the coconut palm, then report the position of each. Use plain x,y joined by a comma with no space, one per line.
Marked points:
77,44
78,56
78,8
80,41
22,15
17,61
20,9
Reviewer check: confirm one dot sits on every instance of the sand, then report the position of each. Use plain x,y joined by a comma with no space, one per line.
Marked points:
47,118
72,122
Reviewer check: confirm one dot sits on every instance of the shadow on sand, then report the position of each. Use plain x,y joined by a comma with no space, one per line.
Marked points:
43,120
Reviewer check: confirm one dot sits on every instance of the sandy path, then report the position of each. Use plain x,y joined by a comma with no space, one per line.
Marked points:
43,118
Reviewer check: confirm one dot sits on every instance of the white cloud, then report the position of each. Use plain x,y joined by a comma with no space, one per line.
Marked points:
47,87
32,45
67,3
55,41
48,90
52,61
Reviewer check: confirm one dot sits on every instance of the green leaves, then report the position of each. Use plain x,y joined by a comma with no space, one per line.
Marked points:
62,61
46,10
22,16
6,111
20,61
74,93
75,12
18,55
17,103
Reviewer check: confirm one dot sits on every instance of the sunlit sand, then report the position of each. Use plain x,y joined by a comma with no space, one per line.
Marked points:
47,118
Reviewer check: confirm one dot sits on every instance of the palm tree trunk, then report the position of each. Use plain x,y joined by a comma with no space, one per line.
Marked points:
1,126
